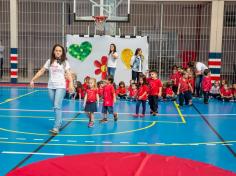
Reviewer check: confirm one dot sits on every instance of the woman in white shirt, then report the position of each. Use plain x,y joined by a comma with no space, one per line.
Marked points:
58,66
112,60
199,68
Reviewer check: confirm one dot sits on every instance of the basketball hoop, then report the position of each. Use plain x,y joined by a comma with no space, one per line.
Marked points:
100,22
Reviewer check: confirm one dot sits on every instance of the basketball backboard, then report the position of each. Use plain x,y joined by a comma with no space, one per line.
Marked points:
115,10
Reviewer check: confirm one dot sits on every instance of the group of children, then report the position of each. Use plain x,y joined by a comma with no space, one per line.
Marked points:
151,89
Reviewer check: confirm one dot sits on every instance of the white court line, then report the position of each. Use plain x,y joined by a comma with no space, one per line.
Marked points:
210,144
226,144
166,114
55,140
124,142
38,139
32,153
142,143
3,138
22,139
89,141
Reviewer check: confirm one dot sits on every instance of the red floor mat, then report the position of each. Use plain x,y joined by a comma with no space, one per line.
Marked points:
119,164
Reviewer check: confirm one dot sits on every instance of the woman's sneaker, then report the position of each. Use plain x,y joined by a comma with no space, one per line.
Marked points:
115,117
90,124
54,131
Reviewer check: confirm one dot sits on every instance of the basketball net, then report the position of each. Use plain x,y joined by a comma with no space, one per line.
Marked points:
100,22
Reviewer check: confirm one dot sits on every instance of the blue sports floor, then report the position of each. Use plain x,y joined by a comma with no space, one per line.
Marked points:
205,133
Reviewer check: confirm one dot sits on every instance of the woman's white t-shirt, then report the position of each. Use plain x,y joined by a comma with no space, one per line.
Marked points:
200,67
56,74
112,62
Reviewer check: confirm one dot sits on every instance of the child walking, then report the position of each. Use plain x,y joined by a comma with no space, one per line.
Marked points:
206,85
155,91
109,98
185,90
141,96
91,100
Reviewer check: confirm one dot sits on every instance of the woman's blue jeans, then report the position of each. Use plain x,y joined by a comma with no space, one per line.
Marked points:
57,96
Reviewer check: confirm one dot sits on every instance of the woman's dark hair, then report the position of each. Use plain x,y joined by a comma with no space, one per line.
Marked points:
137,50
110,48
63,56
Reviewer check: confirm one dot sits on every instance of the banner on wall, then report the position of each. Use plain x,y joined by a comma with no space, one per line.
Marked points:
88,55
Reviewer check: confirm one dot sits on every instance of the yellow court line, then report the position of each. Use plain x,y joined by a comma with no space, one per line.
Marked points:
121,145
180,113
11,99
66,135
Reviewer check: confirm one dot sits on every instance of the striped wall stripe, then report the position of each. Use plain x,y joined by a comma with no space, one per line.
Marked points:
215,55
215,70
214,66
14,63
217,63
216,60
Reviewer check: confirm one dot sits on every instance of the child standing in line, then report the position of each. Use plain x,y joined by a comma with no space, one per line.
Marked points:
155,91
174,78
206,85
141,96
185,90
109,98
91,100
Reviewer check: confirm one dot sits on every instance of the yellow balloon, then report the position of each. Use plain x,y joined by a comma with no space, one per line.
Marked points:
126,56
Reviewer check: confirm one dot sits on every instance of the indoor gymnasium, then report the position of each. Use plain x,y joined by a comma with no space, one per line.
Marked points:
118,87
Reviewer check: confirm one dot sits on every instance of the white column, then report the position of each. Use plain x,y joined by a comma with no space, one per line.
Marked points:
215,53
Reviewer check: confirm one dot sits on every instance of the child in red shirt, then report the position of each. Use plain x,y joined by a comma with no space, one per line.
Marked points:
91,101
226,93
133,92
109,98
174,78
121,91
234,91
170,95
79,90
100,89
155,91
142,96
206,85
85,85
185,90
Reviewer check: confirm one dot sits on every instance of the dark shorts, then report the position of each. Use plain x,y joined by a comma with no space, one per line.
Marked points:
91,107
108,109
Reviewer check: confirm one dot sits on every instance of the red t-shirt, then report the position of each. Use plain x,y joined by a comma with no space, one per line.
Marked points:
108,95
142,89
154,86
169,91
91,95
100,91
121,90
183,85
234,92
227,93
175,78
133,92
206,84
222,89
192,82
80,91
67,85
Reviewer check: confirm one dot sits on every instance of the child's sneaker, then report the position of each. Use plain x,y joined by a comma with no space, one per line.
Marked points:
142,115
54,131
154,113
104,120
90,124
135,115
115,117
